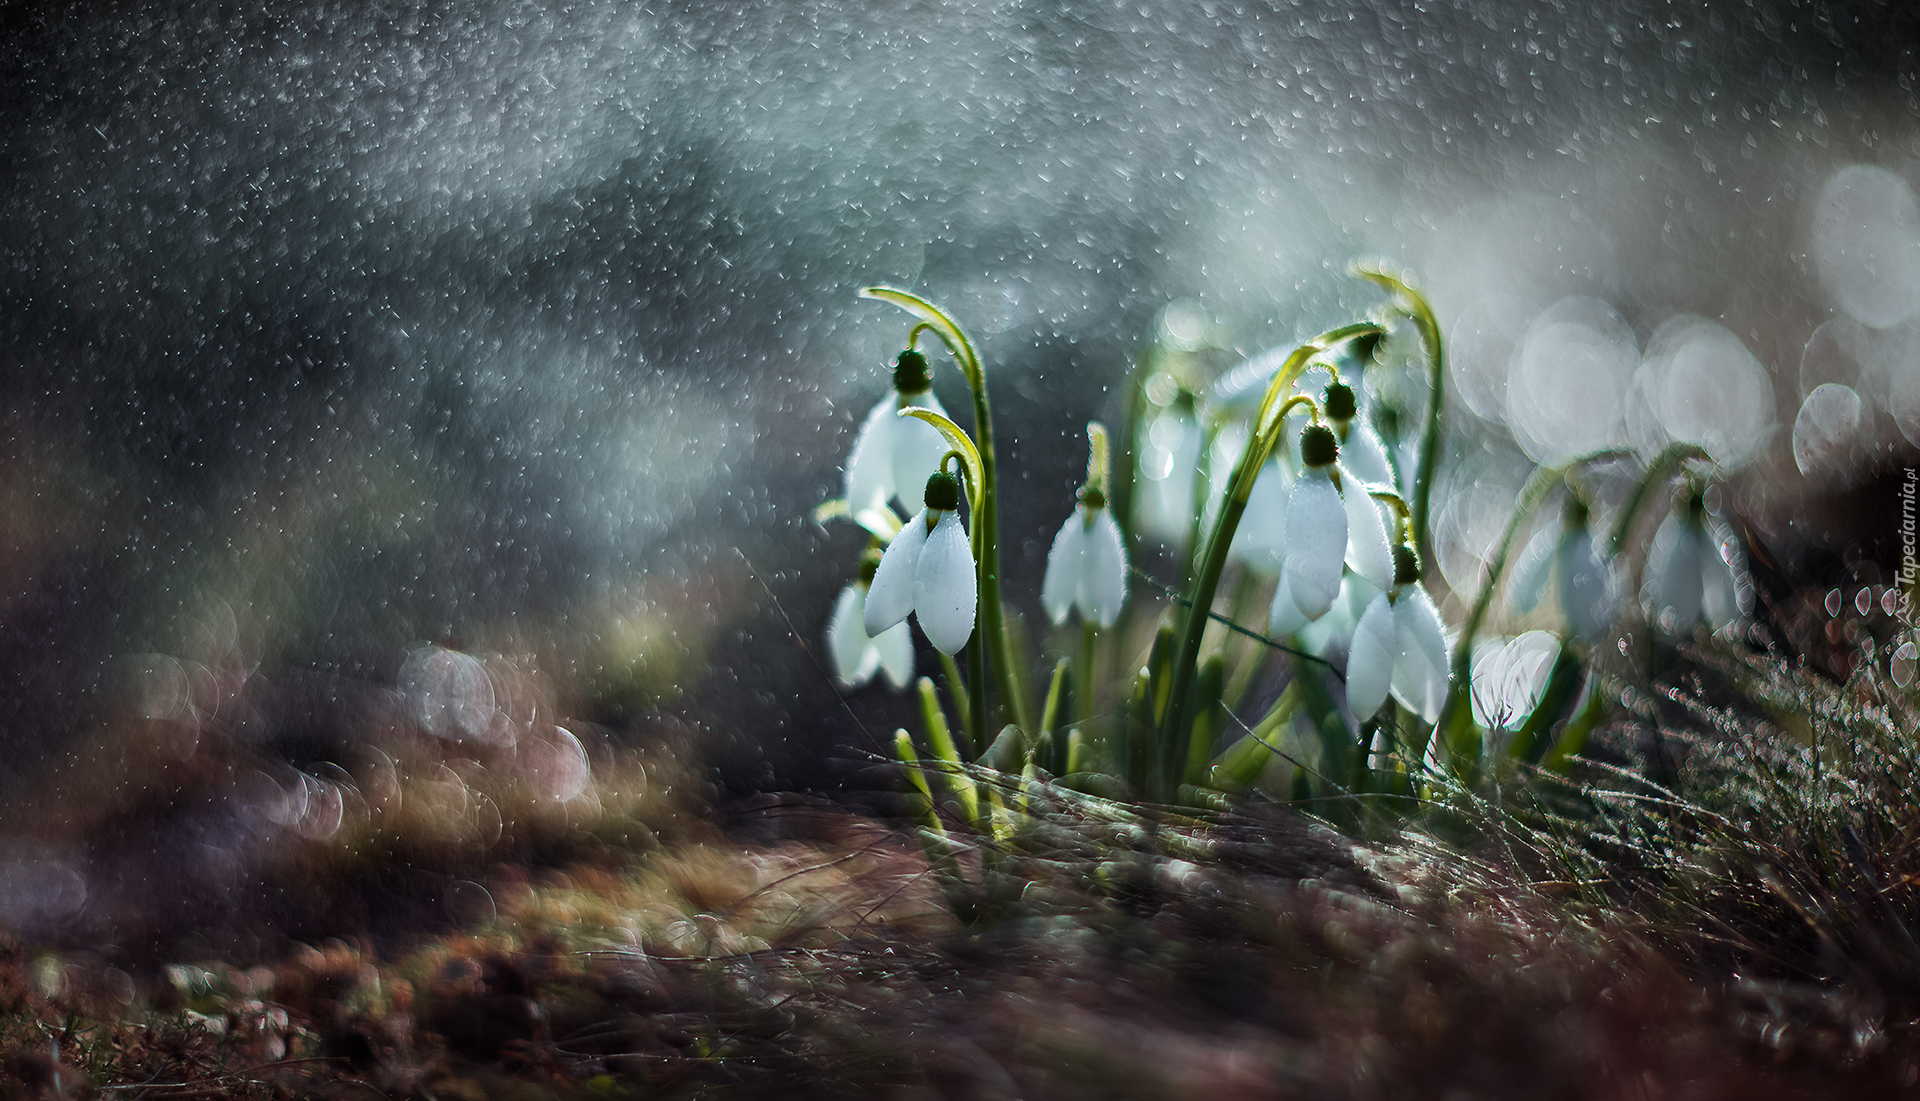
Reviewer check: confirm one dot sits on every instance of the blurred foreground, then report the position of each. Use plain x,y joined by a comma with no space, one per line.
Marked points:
1717,906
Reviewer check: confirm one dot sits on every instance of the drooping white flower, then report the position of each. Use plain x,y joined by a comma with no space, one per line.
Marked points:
1399,384
1587,587
1261,540
1361,450
928,572
1399,646
1331,522
895,455
1087,568
1689,576
858,655
1169,450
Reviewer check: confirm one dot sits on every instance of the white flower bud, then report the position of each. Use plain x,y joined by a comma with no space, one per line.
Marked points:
894,455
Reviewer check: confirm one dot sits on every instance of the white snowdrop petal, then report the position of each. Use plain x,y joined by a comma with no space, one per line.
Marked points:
870,466
1370,661
1065,566
1367,549
847,640
918,448
1105,581
1286,617
1364,454
1682,582
1333,633
1169,464
890,597
894,649
1586,586
1531,570
1719,596
1420,674
944,590
1316,543
1261,539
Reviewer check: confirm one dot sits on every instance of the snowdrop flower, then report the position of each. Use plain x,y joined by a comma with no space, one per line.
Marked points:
928,572
1087,567
856,654
1399,645
1169,462
1400,385
1325,528
1261,541
1689,578
894,454
1332,634
1361,449
1586,585
1401,345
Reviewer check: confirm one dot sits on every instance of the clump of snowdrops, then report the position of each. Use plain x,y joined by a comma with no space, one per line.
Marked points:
1298,492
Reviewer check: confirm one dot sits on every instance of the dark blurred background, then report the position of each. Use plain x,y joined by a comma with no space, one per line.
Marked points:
333,330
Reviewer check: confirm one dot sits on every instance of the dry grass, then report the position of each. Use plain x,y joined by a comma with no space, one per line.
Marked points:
1719,905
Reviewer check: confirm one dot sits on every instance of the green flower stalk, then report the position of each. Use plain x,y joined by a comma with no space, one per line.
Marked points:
1268,426
990,653
1415,306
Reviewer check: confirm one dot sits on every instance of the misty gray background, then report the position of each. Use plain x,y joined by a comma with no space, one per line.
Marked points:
330,329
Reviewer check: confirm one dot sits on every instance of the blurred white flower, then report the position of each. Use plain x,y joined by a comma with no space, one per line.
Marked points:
1086,569
856,654
1261,540
1398,381
895,455
1399,645
1587,587
1401,345
1689,573
928,572
1169,453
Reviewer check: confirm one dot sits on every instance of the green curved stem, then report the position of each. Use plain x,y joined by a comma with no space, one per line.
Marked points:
1390,497
1658,471
1266,435
963,449
1422,313
991,637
